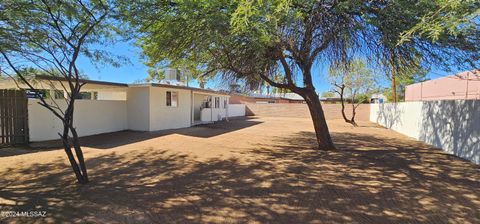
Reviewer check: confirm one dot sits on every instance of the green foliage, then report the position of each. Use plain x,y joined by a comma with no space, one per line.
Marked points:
327,94
245,39
363,97
407,77
51,35
453,17
354,77
237,39
425,33
155,75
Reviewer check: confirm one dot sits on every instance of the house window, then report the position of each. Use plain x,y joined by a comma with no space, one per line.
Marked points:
217,102
225,103
172,99
84,96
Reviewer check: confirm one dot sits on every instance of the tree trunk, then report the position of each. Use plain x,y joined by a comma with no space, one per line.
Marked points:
354,112
394,87
394,82
79,153
71,158
319,123
79,168
342,102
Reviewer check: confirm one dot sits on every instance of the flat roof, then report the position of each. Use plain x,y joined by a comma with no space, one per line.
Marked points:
178,87
89,81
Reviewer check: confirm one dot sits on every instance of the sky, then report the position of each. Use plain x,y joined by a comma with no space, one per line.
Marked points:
136,70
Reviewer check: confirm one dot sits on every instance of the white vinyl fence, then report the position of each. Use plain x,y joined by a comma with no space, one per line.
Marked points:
236,110
453,125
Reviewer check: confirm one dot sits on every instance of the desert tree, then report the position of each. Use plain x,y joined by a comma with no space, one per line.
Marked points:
350,81
423,33
254,41
233,39
50,36
327,94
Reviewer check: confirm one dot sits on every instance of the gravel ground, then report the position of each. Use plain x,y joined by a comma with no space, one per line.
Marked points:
258,170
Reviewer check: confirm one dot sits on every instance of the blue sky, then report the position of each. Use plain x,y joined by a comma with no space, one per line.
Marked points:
136,70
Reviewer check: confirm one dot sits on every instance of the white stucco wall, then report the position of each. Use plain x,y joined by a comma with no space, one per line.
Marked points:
138,108
236,110
144,109
112,95
453,125
164,117
90,117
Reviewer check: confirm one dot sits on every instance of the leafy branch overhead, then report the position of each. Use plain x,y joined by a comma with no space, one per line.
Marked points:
256,41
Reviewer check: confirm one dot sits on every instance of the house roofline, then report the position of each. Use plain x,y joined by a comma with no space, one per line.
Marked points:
88,81
188,88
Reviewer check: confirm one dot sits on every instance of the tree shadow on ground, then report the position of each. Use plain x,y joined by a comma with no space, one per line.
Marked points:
368,180
21,150
120,138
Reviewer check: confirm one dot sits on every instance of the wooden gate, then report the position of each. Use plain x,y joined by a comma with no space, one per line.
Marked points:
13,117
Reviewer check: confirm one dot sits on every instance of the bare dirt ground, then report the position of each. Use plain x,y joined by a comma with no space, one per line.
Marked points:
261,170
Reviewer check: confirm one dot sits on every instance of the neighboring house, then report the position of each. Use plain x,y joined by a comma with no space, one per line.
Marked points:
108,107
464,85
378,98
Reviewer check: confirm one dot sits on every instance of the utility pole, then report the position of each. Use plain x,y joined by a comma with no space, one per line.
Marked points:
393,77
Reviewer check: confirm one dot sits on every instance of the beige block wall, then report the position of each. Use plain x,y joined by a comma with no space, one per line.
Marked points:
332,111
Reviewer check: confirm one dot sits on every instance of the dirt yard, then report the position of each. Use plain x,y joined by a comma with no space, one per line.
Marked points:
261,170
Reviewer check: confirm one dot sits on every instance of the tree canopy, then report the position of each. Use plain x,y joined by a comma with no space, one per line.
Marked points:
254,40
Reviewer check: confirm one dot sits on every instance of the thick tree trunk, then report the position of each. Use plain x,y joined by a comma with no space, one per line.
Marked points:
319,123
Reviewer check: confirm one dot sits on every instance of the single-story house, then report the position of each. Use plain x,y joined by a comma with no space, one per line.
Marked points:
108,107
